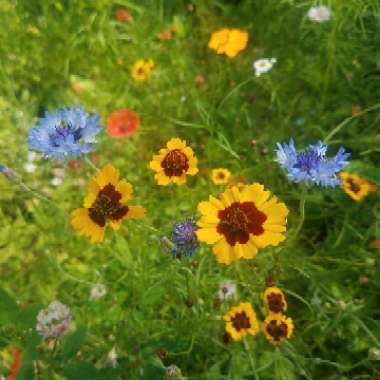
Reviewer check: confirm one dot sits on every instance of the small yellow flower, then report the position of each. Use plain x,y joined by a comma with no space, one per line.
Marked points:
142,70
241,221
220,176
105,202
356,187
228,41
174,163
241,320
277,327
274,300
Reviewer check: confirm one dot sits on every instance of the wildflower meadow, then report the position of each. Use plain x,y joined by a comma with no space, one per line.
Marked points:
189,189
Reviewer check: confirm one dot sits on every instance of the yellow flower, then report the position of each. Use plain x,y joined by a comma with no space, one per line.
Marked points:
173,163
105,202
228,41
356,187
142,70
220,176
274,300
277,327
241,221
241,320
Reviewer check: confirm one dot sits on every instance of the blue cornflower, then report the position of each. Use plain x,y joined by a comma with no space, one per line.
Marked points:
311,166
65,133
184,238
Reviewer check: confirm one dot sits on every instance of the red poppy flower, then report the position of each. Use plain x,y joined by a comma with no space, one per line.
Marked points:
122,123
122,15
15,366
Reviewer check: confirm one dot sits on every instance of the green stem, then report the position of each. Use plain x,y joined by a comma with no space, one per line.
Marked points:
90,163
251,361
302,213
346,121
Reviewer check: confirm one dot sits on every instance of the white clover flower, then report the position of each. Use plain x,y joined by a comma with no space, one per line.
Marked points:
54,321
98,291
319,13
227,290
263,65
30,167
32,156
56,181
112,358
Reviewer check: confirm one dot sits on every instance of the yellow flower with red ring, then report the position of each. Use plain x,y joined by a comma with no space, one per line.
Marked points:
356,187
174,163
142,70
220,176
277,327
241,320
241,221
274,300
106,202
228,41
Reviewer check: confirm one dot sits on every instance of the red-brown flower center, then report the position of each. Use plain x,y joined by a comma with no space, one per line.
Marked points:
277,331
240,321
107,206
354,186
275,302
239,220
175,163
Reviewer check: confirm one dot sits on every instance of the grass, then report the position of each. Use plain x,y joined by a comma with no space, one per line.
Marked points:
327,269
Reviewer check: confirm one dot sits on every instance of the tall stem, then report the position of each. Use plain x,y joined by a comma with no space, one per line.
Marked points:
90,163
302,213
251,361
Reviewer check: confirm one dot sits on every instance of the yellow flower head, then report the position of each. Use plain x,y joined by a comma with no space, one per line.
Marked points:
220,176
174,163
274,300
105,202
228,41
277,327
240,222
356,187
142,70
241,321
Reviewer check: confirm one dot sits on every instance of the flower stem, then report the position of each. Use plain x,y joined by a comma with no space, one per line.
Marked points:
90,163
302,213
251,361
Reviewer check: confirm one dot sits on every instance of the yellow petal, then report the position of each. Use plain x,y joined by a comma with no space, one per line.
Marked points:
107,175
126,190
135,212
208,235
162,179
176,143
89,200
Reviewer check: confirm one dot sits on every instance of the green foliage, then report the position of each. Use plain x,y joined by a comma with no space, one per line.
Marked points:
60,52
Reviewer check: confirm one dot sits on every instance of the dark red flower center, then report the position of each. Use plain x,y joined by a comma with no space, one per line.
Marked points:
275,302
239,220
241,321
107,206
354,186
277,331
175,163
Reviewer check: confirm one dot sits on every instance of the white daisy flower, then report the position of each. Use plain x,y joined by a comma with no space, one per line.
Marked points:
263,65
319,13
56,181
98,291
227,290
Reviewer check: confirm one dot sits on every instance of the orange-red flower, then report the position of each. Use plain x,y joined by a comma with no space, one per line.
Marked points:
15,366
122,15
122,123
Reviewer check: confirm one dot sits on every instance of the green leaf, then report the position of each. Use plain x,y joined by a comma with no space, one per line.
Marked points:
8,307
27,317
109,373
73,343
29,354
80,371
152,296
153,369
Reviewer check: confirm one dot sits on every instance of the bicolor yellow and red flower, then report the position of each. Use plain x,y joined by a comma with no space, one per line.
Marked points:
241,221
274,300
277,327
106,202
241,320
356,187
142,70
220,176
173,163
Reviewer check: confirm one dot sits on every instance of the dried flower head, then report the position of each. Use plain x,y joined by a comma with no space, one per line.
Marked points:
54,321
